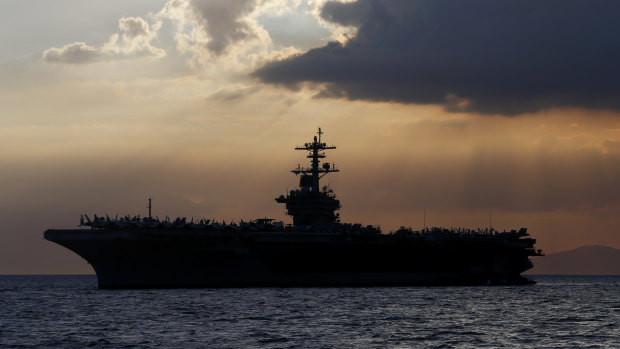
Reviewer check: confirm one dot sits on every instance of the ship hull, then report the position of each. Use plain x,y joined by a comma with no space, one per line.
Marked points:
154,258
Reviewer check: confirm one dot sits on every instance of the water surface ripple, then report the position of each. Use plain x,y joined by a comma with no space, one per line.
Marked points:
70,312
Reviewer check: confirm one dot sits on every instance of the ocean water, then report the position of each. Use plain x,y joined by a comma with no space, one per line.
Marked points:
70,312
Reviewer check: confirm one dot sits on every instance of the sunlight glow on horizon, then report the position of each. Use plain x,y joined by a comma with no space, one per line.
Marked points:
193,130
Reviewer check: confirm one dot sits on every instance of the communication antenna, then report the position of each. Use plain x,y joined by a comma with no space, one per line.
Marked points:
490,225
150,207
425,218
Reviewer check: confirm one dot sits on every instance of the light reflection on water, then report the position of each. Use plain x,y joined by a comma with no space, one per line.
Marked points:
69,311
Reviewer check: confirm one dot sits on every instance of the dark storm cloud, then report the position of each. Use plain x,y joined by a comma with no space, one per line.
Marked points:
484,56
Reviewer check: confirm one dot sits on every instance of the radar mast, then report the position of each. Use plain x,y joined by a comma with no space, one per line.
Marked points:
315,173
311,205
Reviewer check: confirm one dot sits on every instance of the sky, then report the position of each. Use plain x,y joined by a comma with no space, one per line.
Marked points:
459,109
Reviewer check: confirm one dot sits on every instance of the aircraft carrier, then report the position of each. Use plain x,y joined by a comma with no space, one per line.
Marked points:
315,250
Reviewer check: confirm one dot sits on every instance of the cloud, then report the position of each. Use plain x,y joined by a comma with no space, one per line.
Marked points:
233,93
483,56
133,27
75,53
135,37
223,21
214,36
226,37
211,27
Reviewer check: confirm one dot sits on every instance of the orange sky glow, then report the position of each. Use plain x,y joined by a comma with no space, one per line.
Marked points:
195,132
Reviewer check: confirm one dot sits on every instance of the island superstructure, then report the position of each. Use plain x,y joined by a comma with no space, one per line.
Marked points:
315,250
312,205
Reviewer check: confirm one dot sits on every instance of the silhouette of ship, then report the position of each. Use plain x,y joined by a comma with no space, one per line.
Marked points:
315,250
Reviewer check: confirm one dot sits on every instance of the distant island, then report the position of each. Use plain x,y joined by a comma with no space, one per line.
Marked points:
585,260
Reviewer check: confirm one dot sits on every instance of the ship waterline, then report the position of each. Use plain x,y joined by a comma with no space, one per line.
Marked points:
316,250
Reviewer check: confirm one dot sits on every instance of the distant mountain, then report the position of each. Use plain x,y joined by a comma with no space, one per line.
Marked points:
592,260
